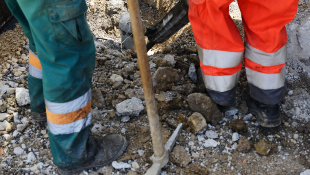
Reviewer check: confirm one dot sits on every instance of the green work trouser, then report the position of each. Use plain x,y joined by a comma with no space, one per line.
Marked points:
62,60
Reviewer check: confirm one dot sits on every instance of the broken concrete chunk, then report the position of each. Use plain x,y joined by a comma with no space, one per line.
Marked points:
180,156
22,96
197,122
130,107
212,134
211,143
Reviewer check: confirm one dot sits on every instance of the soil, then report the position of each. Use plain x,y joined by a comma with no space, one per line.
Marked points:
289,143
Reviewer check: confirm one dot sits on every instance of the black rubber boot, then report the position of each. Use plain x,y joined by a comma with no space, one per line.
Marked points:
233,105
38,117
100,153
266,115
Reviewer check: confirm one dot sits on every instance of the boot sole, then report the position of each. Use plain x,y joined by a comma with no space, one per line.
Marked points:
79,170
262,120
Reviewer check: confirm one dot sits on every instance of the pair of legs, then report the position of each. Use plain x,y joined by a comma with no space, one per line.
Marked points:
221,49
62,61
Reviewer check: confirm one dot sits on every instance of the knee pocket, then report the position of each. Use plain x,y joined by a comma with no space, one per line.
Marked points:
70,28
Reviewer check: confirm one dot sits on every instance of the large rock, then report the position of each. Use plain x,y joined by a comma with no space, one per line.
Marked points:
130,107
22,96
164,78
197,122
203,104
180,156
97,99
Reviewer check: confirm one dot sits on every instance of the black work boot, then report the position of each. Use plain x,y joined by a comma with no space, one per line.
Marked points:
232,105
266,115
38,117
100,152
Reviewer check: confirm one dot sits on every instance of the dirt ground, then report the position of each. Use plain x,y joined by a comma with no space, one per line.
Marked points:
233,144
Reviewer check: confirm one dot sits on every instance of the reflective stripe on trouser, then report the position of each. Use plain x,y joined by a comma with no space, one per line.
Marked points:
265,74
65,47
35,84
221,72
214,30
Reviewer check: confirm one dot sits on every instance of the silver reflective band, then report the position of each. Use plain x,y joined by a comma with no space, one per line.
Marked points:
69,128
263,58
221,83
220,59
266,81
71,106
35,72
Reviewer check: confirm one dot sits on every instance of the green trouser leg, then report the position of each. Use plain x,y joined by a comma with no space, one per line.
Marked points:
36,94
65,47
34,84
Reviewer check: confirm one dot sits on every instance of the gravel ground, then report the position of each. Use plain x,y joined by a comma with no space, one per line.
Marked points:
210,142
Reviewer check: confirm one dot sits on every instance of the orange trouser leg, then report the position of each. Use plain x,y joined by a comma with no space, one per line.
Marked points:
220,47
265,48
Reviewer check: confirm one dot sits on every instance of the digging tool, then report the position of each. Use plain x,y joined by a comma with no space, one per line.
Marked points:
161,152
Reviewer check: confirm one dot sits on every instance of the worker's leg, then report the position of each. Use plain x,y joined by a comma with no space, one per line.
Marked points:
220,47
265,55
66,50
35,70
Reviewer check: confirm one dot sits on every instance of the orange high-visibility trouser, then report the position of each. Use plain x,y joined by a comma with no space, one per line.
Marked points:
221,49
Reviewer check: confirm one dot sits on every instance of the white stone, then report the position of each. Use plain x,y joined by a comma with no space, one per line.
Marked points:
120,165
231,112
123,130
152,65
125,119
247,117
3,116
18,151
290,92
140,152
295,136
3,125
307,172
170,59
97,129
16,117
130,107
15,133
235,136
115,77
23,146
135,165
24,120
6,136
22,69
211,143
21,127
30,157
192,72
3,88
212,134
22,96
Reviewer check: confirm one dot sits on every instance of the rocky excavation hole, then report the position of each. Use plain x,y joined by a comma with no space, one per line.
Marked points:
210,142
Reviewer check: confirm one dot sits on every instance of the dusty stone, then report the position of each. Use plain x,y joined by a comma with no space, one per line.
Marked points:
182,119
164,78
3,116
179,156
212,134
235,136
239,126
117,85
206,106
192,72
244,145
3,125
116,78
22,96
130,107
18,151
262,147
10,91
144,134
197,122
97,99
18,73
135,165
97,129
128,69
307,172
194,169
170,59
211,143
21,127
